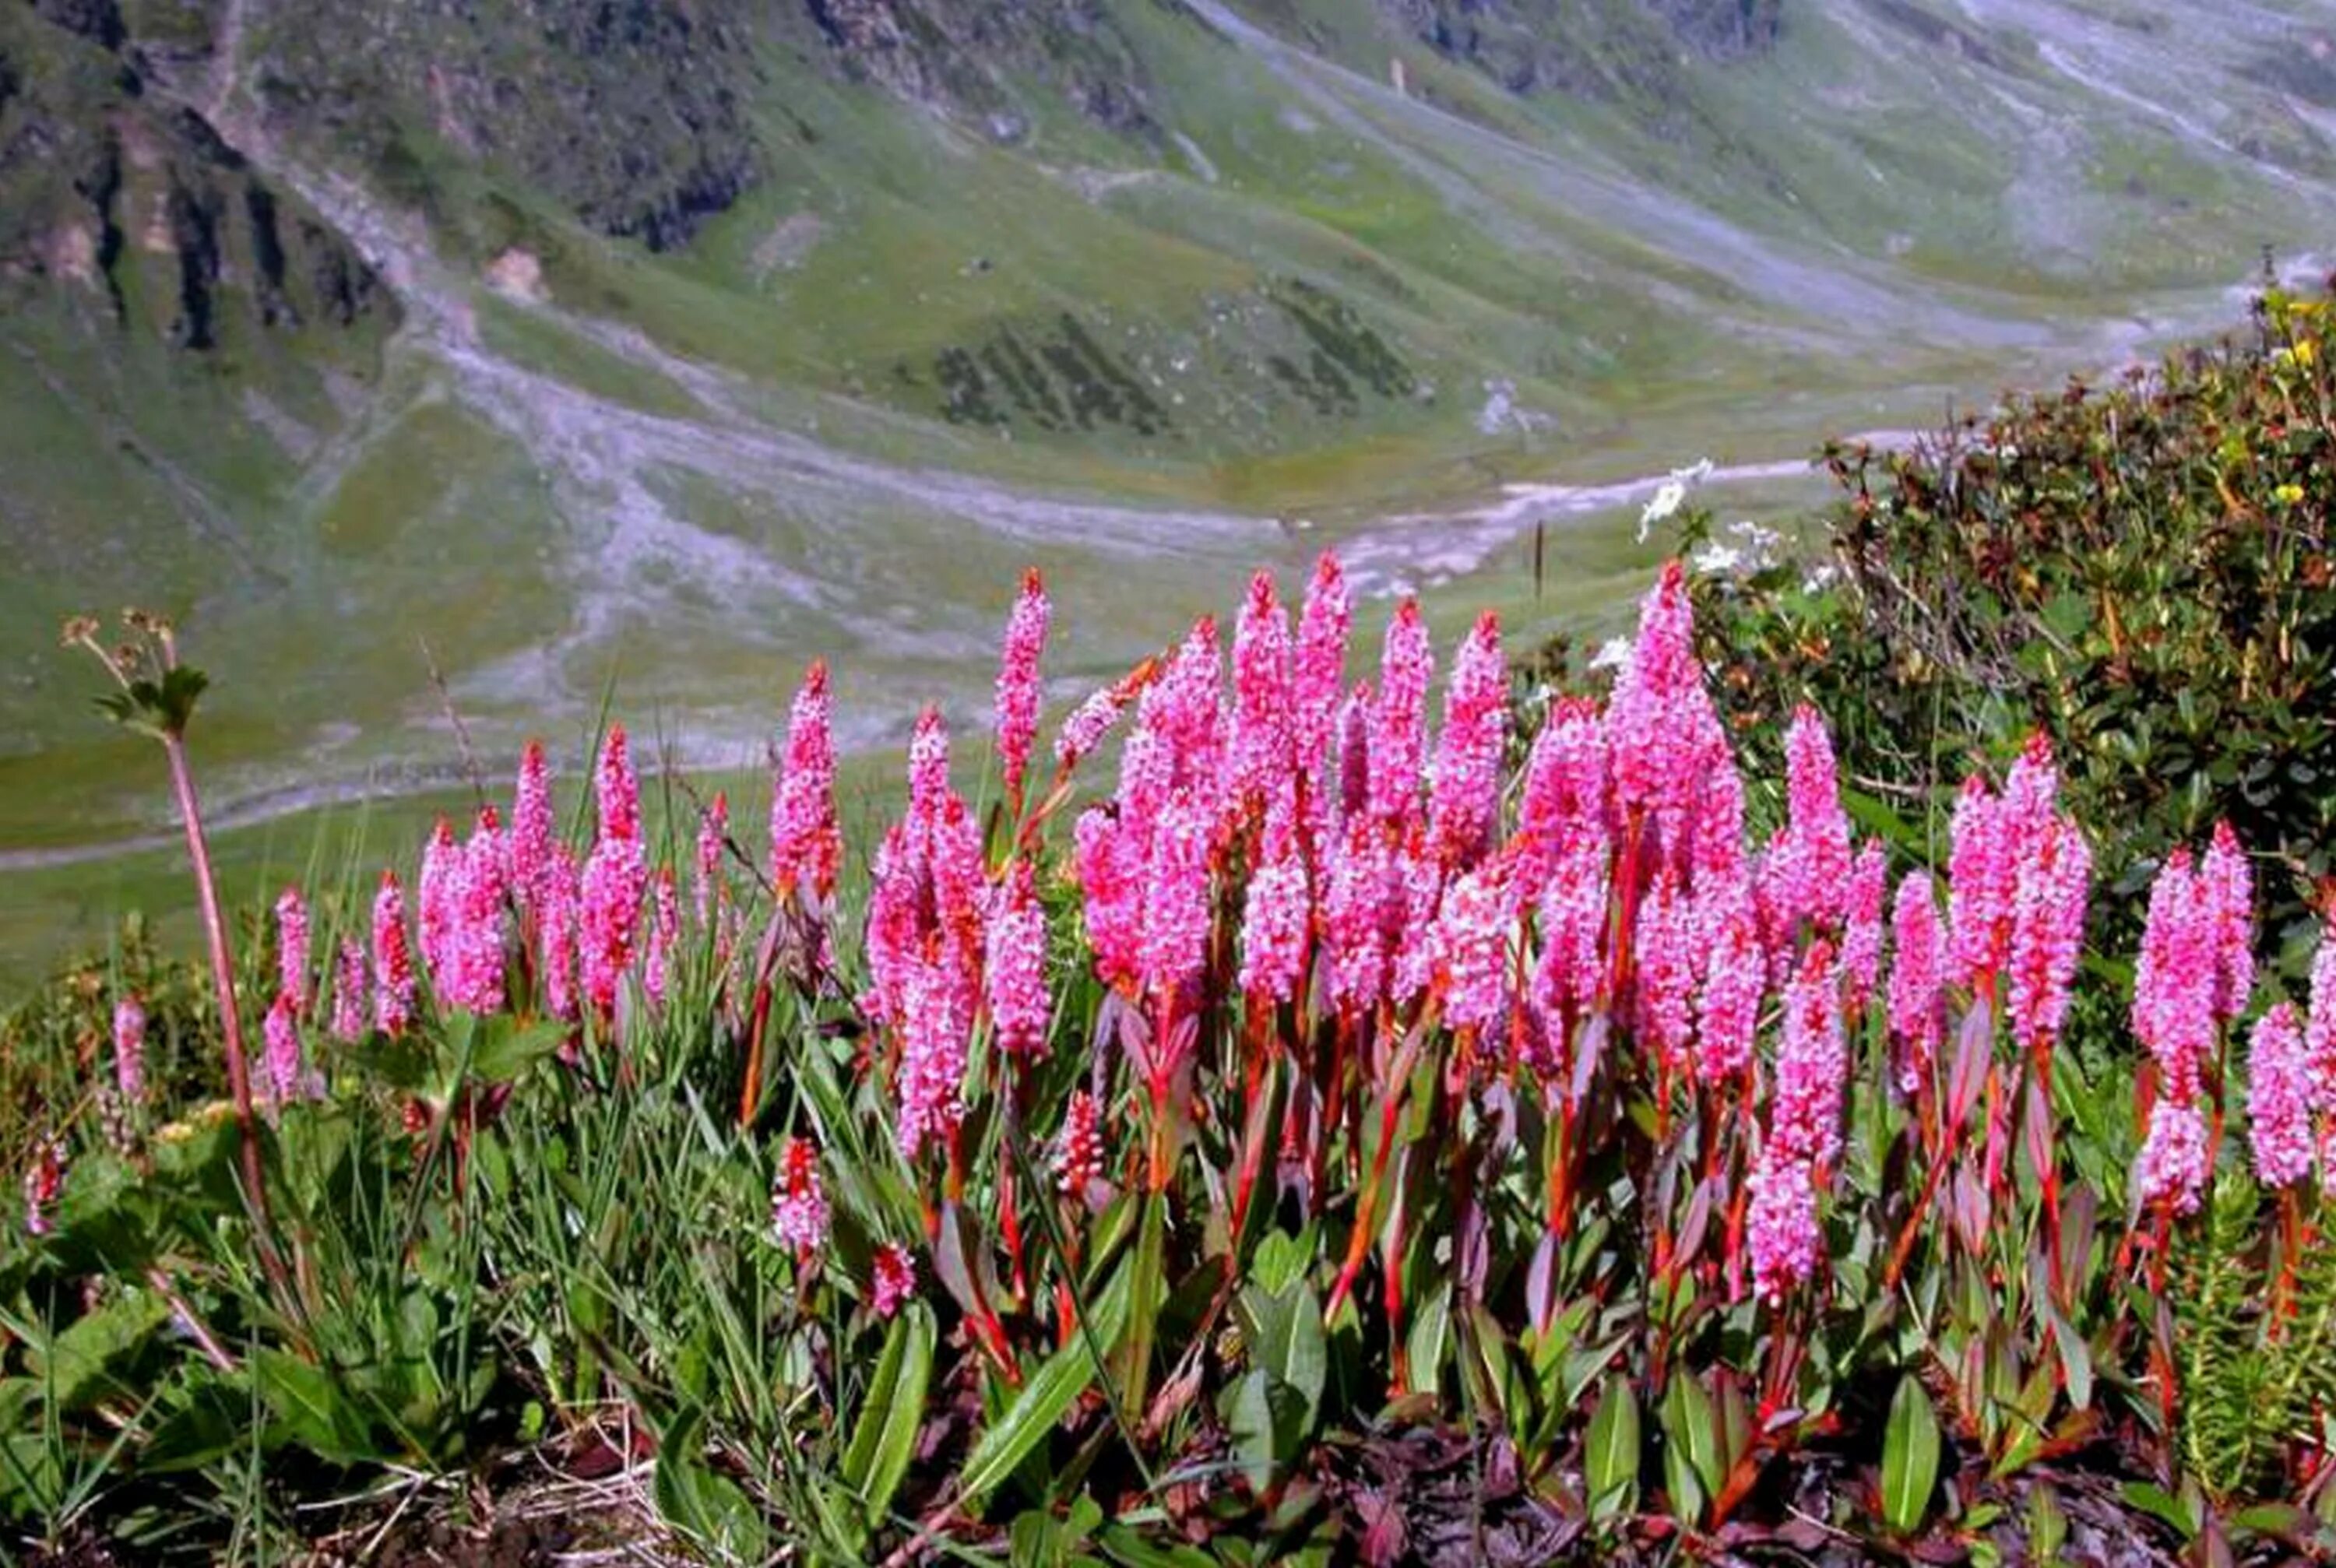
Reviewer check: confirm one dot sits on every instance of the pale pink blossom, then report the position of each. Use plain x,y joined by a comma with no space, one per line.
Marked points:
1573,916
1093,719
1568,792
533,835
1982,870
1667,966
286,1081
1262,745
561,889
2280,1099
1917,984
1020,1007
806,844
2320,1029
2175,980
1356,913
1811,1064
1274,918
1018,691
130,1049
1658,707
1399,719
1780,1230
1078,1148
1111,882
351,994
292,947
933,1028
2227,884
471,976
929,764
1735,980
1810,860
799,1212
893,1279
665,926
2174,1163
1464,799
1174,939
1860,941
437,896
2048,930
392,967
1319,673
1471,947
713,835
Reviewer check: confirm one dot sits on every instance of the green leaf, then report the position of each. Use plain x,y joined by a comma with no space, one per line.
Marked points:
2075,1359
2160,1504
503,1047
1609,1462
1910,1457
1051,1392
886,1438
1146,1288
711,1507
86,1362
312,1409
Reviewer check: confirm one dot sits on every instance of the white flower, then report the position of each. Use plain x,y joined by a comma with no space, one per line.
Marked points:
1695,472
1666,502
1716,560
1819,578
1614,654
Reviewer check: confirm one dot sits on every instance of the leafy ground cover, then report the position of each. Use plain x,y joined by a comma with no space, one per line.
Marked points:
1347,1137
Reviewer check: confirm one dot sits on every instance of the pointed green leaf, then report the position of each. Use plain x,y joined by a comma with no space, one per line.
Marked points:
1051,1392
1910,1457
1609,1462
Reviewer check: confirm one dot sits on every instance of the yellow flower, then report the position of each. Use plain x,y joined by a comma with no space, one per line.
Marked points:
2305,351
2287,494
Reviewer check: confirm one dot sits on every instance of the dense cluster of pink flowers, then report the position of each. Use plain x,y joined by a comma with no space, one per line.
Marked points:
2197,955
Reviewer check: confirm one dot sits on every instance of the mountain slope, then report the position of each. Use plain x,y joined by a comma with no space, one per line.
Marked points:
668,342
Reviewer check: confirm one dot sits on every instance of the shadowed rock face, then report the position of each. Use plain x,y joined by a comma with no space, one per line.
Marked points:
131,205
959,55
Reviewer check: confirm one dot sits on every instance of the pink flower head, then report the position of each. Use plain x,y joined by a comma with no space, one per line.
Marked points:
438,895
2048,930
933,1028
1400,721
1573,921
1568,790
1715,821
1352,779
556,934
2320,1030
1669,965
1411,928
531,830
1018,692
665,925
1020,1005
2227,884
393,968
282,1034
471,976
1262,748
2280,1099
806,842
713,833
1086,727
1356,911
1471,947
1078,1150
130,1049
292,947
1111,879
798,1201
893,1279
929,761
1917,983
2175,980
1643,717
608,918
44,1181
2173,1161
1780,1230
1319,674
1190,713
1811,858
1811,1064
617,791
1175,940
351,998
1734,979
1860,941
1465,796
1982,872
1278,908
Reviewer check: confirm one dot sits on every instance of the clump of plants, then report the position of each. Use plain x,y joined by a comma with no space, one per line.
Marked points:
2142,569
1350,1137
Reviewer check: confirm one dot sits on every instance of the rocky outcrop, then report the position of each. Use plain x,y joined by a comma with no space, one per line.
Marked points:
1594,48
136,207
962,56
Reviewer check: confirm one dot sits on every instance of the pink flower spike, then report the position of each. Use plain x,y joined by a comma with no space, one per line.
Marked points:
44,1181
282,1034
1262,684
1399,722
351,994
1669,965
2280,1099
1860,942
928,760
799,1212
1573,921
557,936
893,1279
1643,716
2175,978
1319,673
292,947
1020,1007
392,967
1176,904
1018,691
1084,729
436,890
2048,930
1811,1065
1735,980
805,839
2227,883
617,791
2173,1165
1110,866
1917,983
1811,858
1277,912
531,830
130,1049
712,834
609,919
932,1056
1465,792
665,925
1981,871
1781,1229
2320,1030
1471,947
1568,790
1078,1149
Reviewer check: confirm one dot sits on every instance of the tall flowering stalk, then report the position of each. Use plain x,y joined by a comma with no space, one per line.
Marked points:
1018,691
